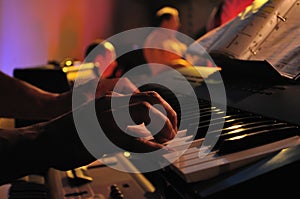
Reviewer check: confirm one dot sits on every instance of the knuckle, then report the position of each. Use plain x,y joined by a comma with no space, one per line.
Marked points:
174,114
125,79
153,94
171,133
172,136
145,104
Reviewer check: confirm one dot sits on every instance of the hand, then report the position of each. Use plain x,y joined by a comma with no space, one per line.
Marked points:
141,108
95,88
61,146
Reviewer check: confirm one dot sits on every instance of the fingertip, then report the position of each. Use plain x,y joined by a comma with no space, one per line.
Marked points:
136,91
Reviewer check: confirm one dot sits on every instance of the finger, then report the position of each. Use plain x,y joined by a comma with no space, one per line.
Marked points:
121,117
105,101
113,94
124,86
166,131
140,112
136,138
139,131
129,87
120,85
154,98
160,125
119,101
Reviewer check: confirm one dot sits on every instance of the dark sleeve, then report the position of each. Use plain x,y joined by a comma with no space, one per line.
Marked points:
18,154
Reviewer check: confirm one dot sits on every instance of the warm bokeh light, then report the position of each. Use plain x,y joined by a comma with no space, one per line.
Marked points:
69,63
127,154
254,7
34,32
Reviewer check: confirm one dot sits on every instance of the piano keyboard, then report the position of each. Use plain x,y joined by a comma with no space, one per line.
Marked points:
244,139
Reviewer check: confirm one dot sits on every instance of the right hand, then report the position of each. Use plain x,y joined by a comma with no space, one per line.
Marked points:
60,145
141,108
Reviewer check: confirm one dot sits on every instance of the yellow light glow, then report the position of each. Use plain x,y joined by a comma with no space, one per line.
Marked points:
108,46
252,8
65,70
237,137
167,10
127,154
68,63
236,131
234,127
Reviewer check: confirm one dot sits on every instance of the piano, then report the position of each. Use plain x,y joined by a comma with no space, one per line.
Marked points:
257,153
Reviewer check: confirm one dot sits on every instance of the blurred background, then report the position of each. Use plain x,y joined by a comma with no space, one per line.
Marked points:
34,32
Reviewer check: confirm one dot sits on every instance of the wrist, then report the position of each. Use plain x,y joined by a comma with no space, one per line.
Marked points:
84,93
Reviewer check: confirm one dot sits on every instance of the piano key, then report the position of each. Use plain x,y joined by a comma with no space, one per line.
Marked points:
197,170
233,117
179,141
181,133
195,155
179,153
202,114
229,121
251,140
247,129
232,123
191,156
232,148
185,144
189,164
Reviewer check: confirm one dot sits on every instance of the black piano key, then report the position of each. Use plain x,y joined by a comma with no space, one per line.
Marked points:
247,141
203,116
229,122
193,116
244,131
237,123
251,127
245,123
229,118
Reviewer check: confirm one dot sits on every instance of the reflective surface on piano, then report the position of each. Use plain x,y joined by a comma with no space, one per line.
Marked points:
259,141
245,138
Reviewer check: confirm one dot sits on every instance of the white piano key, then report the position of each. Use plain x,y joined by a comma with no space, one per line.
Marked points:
194,158
180,141
197,171
181,133
177,154
183,155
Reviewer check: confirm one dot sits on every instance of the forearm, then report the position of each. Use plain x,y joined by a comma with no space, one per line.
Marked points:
24,101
